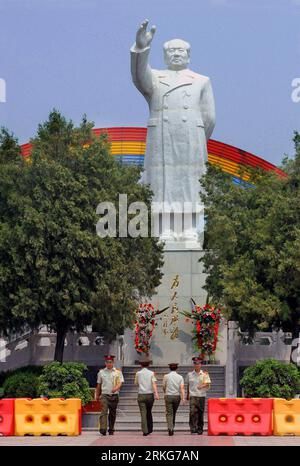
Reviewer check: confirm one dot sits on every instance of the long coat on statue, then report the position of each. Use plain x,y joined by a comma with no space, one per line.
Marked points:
181,120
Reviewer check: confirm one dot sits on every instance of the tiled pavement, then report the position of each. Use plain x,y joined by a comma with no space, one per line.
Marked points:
155,439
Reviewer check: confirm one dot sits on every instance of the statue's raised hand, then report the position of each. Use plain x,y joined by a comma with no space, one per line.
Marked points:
144,37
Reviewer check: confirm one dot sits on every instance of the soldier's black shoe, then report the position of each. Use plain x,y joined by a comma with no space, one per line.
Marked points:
110,432
200,432
102,432
171,432
145,435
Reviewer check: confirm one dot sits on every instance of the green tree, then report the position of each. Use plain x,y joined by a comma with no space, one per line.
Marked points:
54,269
252,246
11,164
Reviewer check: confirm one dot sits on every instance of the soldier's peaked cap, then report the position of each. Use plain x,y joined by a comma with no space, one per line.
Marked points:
109,357
197,359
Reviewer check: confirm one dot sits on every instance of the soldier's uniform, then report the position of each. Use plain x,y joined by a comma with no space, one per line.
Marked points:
145,379
197,399
172,384
108,379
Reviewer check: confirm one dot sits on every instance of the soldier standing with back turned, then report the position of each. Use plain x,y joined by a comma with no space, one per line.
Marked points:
147,392
173,387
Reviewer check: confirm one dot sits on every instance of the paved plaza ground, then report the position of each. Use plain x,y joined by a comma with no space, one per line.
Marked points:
155,439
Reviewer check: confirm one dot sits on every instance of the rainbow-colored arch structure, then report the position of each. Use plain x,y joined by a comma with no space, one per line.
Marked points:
128,144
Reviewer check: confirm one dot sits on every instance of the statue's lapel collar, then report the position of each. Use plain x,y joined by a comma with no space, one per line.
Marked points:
173,80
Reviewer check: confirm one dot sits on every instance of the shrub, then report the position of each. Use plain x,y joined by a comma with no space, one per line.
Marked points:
64,381
30,368
21,385
271,379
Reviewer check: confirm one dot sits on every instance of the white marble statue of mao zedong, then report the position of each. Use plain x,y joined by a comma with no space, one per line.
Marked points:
181,120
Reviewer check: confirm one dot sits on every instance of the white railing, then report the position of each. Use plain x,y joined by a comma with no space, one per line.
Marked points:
38,348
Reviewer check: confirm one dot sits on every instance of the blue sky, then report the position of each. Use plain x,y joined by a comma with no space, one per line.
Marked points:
74,55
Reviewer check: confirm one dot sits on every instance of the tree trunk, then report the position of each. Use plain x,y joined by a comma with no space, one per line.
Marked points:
60,344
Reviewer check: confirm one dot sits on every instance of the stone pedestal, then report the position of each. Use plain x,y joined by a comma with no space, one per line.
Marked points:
184,263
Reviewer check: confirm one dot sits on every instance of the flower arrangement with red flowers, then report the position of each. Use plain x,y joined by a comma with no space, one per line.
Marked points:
144,326
206,327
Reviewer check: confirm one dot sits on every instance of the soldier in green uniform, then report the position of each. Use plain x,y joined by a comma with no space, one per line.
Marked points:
147,392
198,383
173,387
109,382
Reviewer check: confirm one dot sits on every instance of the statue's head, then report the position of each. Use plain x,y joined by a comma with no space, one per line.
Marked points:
177,54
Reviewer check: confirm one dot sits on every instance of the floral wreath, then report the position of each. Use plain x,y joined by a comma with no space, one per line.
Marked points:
144,327
206,321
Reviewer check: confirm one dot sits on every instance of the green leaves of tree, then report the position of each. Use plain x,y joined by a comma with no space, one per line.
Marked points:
54,269
252,254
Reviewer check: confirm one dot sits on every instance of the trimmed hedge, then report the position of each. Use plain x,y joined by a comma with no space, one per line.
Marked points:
21,385
52,380
270,378
64,381
32,369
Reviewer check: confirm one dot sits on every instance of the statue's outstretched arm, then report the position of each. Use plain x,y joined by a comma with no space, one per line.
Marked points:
140,69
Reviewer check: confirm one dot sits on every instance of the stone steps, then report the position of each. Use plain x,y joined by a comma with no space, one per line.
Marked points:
130,422
156,409
132,399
